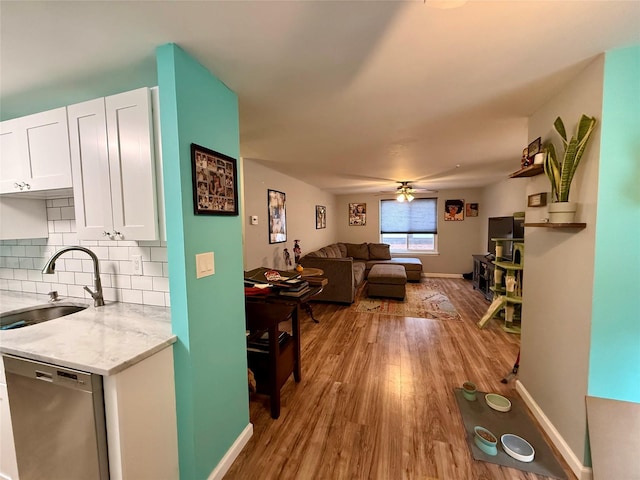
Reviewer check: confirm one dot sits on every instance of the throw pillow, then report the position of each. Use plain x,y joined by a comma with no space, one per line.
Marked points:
358,250
379,251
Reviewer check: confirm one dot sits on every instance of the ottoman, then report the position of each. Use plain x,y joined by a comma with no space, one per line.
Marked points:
387,281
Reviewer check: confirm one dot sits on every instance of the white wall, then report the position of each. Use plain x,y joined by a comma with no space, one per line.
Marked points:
21,262
301,201
559,270
457,241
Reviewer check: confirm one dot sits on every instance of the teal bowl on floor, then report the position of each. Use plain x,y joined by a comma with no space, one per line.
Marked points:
482,440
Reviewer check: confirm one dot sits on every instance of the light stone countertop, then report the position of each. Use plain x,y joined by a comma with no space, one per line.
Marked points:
103,340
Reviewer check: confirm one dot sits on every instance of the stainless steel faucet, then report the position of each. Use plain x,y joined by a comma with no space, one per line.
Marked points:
49,268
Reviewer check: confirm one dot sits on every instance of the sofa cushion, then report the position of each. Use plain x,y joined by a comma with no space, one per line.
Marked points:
343,250
379,251
331,251
358,250
358,272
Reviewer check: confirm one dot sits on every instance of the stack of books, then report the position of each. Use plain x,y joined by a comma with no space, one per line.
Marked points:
295,287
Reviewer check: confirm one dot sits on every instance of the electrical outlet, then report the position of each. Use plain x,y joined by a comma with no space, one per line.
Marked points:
254,220
136,260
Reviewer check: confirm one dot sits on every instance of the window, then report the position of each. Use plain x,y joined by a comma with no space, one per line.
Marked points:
409,226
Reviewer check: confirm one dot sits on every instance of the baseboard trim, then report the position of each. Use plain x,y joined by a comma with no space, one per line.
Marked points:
442,275
225,464
576,466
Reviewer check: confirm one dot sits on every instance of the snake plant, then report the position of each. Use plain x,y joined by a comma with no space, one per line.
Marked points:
560,174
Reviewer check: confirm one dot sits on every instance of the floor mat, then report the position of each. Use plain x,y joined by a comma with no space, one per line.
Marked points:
421,301
516,421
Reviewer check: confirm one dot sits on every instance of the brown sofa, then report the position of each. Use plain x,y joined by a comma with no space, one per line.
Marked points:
346,266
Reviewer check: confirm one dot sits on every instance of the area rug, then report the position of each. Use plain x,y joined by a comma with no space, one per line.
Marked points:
516,421
421,301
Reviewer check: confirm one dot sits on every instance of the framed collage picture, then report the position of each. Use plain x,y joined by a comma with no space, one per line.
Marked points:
215,182
277,216
357,214
321,217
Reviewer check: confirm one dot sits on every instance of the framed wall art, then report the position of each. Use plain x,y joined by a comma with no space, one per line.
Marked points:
471,210
454,210
277,216
357,214
215,182
321,216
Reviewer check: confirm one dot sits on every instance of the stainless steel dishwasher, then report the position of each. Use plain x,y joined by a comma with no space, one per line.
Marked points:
58,421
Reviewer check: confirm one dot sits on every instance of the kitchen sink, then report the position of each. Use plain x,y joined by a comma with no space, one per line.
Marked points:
38,314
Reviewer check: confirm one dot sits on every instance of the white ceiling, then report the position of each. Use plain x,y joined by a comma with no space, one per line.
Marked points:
349,96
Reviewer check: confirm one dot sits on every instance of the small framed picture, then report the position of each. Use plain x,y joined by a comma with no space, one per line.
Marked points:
358,214
215,182
534,147
277,216
537,200
454,210
321,216
471,210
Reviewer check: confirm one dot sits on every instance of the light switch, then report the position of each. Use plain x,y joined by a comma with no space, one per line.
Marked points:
254,219
204,264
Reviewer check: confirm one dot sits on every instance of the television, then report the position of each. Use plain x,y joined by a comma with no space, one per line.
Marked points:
504,227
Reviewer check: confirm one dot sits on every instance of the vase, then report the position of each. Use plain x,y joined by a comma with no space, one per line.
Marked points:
562,212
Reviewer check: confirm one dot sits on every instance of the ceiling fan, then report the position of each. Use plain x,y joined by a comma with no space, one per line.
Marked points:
405,191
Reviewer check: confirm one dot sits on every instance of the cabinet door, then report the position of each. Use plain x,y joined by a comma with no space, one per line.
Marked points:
13,155
8,463
48,150
132,165
90,163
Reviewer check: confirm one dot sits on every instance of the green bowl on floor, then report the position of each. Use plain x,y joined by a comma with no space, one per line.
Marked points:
485,440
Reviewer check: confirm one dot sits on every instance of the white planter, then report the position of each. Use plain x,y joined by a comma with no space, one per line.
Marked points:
562,212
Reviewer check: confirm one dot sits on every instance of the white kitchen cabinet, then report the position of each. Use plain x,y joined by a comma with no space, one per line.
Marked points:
8,463
140,410
113,163
34,153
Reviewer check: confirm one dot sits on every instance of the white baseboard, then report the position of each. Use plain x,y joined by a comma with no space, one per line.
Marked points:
225,464
580,471
442,275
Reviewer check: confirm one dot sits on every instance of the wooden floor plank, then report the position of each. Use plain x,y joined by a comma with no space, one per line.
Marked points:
376,397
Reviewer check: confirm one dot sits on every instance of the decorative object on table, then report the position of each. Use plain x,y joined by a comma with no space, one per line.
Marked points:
321,216
469,391
537,200
299,268
561,171
287,257
454,210
296,251
215,182
485,440
358,214
471,210
498,402
517,447
277,216
538,158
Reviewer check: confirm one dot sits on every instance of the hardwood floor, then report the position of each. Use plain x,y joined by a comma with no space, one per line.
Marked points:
376,397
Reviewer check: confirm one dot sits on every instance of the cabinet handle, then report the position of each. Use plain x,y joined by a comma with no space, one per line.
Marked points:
28,186
21,185
105,234
116,233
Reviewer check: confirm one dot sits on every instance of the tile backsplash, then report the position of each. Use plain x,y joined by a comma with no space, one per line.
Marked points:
21,263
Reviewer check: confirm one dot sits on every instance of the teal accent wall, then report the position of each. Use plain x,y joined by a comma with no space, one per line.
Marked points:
614,370
207,314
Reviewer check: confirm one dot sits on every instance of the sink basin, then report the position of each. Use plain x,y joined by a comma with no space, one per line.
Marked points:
38,314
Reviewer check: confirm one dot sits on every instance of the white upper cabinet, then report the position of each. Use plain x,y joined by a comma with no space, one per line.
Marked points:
34,153
112,156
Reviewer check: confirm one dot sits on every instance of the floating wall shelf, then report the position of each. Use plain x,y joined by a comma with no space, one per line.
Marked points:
530,171
557,225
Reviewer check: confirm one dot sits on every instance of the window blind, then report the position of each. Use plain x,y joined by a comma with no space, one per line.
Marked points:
418,216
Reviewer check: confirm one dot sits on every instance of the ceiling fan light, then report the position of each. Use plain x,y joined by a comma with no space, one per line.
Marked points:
409,197
400,197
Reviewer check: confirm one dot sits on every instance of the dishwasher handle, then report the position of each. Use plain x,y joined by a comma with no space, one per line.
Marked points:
45,376
54,374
